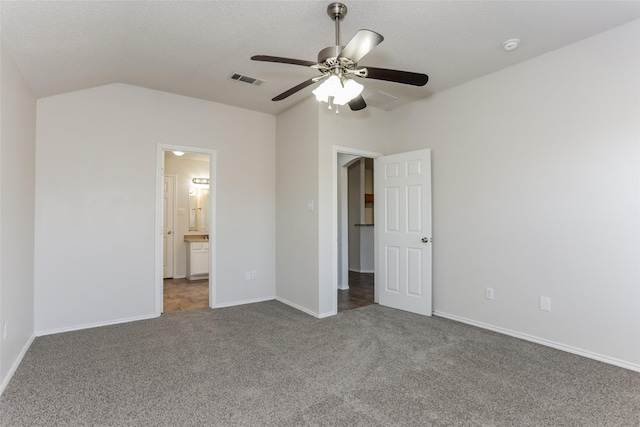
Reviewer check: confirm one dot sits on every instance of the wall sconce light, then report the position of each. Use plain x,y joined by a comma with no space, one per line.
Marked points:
204,181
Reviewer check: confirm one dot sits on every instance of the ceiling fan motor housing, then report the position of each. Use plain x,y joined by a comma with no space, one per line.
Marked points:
329,52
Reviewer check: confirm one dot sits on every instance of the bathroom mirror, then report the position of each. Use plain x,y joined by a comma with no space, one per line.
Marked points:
198,209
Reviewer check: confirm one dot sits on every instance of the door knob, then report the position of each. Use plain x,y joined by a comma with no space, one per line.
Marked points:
169,232
425,240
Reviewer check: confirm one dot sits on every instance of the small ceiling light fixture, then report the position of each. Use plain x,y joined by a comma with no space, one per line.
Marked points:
203,181
511,45
178,153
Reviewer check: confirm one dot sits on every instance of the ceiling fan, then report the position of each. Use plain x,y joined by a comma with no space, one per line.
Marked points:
339,64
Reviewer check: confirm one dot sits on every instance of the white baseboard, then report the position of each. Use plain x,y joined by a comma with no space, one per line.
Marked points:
298,307
94,325
361,271
243,302
17,362
542,341
327,314
197,277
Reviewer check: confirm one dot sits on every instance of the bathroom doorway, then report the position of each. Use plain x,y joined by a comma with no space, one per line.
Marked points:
186,250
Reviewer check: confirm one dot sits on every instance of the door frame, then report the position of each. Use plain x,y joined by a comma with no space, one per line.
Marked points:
160,149
334,223
343,222
173,226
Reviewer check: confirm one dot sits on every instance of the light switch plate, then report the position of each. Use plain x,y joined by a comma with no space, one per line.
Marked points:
489,293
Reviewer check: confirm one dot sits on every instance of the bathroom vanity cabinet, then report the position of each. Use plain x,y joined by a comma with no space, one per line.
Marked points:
197,260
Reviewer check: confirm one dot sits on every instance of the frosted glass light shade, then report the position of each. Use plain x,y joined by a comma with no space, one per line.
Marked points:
332,87
350,90
328,88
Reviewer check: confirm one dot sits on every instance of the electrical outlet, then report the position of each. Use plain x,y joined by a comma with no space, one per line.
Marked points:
489,293
254,275
247,275
545,303
309,205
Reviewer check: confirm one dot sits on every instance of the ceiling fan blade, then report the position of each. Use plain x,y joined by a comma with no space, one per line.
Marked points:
357,103
294,89
267,58
397,76
362,43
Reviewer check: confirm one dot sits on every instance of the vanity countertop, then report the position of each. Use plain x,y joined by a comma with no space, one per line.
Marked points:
196,238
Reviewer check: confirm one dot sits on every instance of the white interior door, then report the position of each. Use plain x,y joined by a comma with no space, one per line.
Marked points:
403,228
167,226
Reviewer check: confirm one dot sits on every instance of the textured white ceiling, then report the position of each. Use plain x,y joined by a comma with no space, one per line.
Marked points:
191,48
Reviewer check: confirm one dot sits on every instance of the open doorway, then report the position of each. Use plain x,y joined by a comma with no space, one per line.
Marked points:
185,253
356,248
402,239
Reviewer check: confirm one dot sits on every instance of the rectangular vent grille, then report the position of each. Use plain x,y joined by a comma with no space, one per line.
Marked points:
246,79
382,100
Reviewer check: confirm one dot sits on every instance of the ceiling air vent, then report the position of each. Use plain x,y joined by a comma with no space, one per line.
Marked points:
382,100
246,79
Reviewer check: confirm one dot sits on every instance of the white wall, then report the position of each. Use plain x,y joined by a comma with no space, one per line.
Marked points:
367,237
95,200
297,227
536,192
185,170
17,195
367,130
343,220
367,250
306,161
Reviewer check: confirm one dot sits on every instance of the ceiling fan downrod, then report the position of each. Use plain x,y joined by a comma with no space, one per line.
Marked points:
337,11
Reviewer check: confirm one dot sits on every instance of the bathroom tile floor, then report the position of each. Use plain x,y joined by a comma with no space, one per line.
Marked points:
183,294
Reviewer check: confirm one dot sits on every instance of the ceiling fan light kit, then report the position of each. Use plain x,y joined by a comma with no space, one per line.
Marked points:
342,91
339,66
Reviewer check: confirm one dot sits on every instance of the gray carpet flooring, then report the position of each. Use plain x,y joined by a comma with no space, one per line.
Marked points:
267,364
